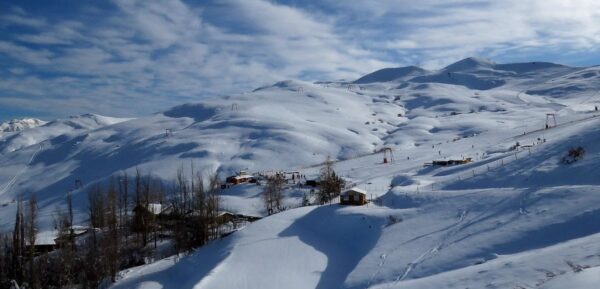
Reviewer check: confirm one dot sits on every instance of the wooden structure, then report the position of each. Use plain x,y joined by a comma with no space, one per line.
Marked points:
550,120
240,178
312,183
387,152
42,248
74,233
225,217
354,196
450,162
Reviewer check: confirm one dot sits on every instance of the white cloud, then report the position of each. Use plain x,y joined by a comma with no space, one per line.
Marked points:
162,53
445,31
24,54
22,20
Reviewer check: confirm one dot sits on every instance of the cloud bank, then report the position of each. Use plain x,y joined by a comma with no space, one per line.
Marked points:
132,57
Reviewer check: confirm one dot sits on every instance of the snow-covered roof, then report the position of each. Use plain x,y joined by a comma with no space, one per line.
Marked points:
357,190
45,238
155,208
222,213
243,177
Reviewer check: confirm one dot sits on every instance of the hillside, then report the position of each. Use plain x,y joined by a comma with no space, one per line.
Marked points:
516,231
42,131
508,218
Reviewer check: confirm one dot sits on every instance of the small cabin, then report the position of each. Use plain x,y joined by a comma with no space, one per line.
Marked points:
74,233
312,183
41,247
240,179
354,196
444,163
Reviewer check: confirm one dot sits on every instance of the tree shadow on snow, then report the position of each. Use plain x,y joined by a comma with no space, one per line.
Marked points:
345,238
187,271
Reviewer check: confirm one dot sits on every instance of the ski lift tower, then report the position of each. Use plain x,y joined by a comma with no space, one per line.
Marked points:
550,120
388,151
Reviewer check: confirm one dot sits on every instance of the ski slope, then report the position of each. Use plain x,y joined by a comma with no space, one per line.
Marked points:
519,231
509,219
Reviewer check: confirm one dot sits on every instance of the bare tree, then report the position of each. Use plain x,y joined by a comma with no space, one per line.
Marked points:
31,231
96,210
64,265
124,205
111,238
18,244
6,252
331,184
273,194
212,205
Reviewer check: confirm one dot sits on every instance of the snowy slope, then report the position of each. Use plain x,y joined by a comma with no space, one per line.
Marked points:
452,218
42,131
391,74
287,125
504,236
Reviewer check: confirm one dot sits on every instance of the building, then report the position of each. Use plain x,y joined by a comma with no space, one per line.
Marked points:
354,196
76,232
312,183
449,162
240,178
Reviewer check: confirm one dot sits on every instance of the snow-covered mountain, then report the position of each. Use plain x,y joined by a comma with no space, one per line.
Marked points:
492,223
48,130
20,124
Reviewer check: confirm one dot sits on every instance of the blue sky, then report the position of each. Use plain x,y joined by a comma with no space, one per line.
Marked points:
135,57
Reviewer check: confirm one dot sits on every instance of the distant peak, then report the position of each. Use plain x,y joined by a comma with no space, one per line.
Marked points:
391,74
20,124
285,84
470,63
85,115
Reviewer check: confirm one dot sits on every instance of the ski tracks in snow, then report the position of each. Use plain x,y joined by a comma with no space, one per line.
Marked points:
445,239
433,250
14,179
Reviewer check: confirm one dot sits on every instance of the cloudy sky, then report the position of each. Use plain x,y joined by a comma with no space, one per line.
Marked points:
135,57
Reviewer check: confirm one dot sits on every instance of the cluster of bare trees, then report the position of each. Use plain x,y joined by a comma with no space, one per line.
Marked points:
331,184
273,194
126,218
195,210
16,253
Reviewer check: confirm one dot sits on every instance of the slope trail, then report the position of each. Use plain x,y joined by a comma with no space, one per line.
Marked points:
12,181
